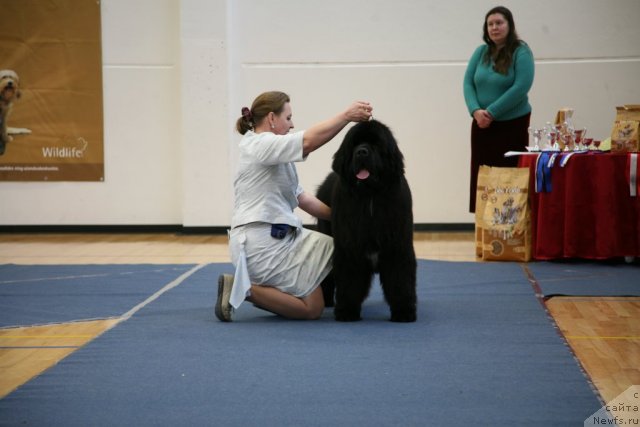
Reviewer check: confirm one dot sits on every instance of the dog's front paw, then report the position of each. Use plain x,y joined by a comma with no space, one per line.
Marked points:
403,316
346,315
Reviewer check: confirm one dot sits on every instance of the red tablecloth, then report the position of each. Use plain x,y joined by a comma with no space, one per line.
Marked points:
589,212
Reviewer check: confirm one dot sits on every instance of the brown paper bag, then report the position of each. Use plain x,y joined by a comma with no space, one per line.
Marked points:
481,201
628,112
625,134
505,220
563,115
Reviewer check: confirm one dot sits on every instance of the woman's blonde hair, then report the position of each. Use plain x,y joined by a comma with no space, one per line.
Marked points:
264,104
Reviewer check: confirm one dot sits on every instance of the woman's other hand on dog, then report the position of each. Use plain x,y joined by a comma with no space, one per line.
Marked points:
313,206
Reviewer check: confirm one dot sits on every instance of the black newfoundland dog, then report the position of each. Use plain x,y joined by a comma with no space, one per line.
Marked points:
371,224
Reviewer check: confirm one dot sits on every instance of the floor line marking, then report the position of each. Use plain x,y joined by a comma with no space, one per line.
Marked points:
88,275
41,347
43,336
587,337
155,296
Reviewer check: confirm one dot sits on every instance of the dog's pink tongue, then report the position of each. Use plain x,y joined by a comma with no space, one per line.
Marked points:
363,174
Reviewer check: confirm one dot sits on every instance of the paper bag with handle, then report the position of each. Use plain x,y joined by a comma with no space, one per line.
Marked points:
504,220
625,134
481,201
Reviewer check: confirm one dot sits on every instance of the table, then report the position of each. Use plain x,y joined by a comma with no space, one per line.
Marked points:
589,212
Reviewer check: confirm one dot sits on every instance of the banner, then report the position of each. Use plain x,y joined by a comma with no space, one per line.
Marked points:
51,91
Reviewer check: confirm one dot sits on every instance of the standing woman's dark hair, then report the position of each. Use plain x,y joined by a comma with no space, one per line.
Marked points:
268,102
502,57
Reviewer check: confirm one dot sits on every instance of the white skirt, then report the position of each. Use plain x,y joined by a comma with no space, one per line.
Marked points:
296,264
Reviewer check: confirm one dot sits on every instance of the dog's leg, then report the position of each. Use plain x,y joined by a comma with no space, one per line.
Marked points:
347,307
353,281
398,280
4,139
4,136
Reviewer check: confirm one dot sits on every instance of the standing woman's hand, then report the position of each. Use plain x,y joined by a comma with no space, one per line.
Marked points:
483,118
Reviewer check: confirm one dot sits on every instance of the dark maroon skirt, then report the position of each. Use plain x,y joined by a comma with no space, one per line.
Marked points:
489,145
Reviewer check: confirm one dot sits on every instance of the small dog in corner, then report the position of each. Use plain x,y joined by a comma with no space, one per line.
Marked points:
9,91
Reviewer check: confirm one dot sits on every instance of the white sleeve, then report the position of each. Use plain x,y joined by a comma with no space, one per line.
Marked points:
272,149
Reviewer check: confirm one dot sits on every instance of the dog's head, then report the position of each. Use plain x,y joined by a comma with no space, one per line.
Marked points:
9,86
369,157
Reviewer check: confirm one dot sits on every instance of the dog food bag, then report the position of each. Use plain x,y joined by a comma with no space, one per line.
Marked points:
625,134
481,201
506,218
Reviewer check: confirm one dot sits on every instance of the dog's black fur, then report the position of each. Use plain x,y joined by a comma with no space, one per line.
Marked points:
371,224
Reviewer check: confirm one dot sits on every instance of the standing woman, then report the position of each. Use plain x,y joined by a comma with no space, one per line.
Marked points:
279,264
496,85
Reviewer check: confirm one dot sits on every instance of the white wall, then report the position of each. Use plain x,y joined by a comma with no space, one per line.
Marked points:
177,72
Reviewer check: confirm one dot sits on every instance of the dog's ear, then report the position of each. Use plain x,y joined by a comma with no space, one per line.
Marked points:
18,94
395,166
398,158
341,160
338,160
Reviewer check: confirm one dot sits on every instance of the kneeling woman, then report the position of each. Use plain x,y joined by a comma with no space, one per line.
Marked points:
279,264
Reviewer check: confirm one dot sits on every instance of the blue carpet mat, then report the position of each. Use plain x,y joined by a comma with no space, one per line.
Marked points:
583,278
483,352
39,294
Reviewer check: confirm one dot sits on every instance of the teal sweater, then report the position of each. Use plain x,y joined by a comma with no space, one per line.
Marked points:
503,96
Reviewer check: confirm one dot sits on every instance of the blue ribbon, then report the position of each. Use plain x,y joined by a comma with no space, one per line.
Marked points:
543,172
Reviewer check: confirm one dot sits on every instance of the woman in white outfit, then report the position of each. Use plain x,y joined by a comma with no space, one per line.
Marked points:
279,264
